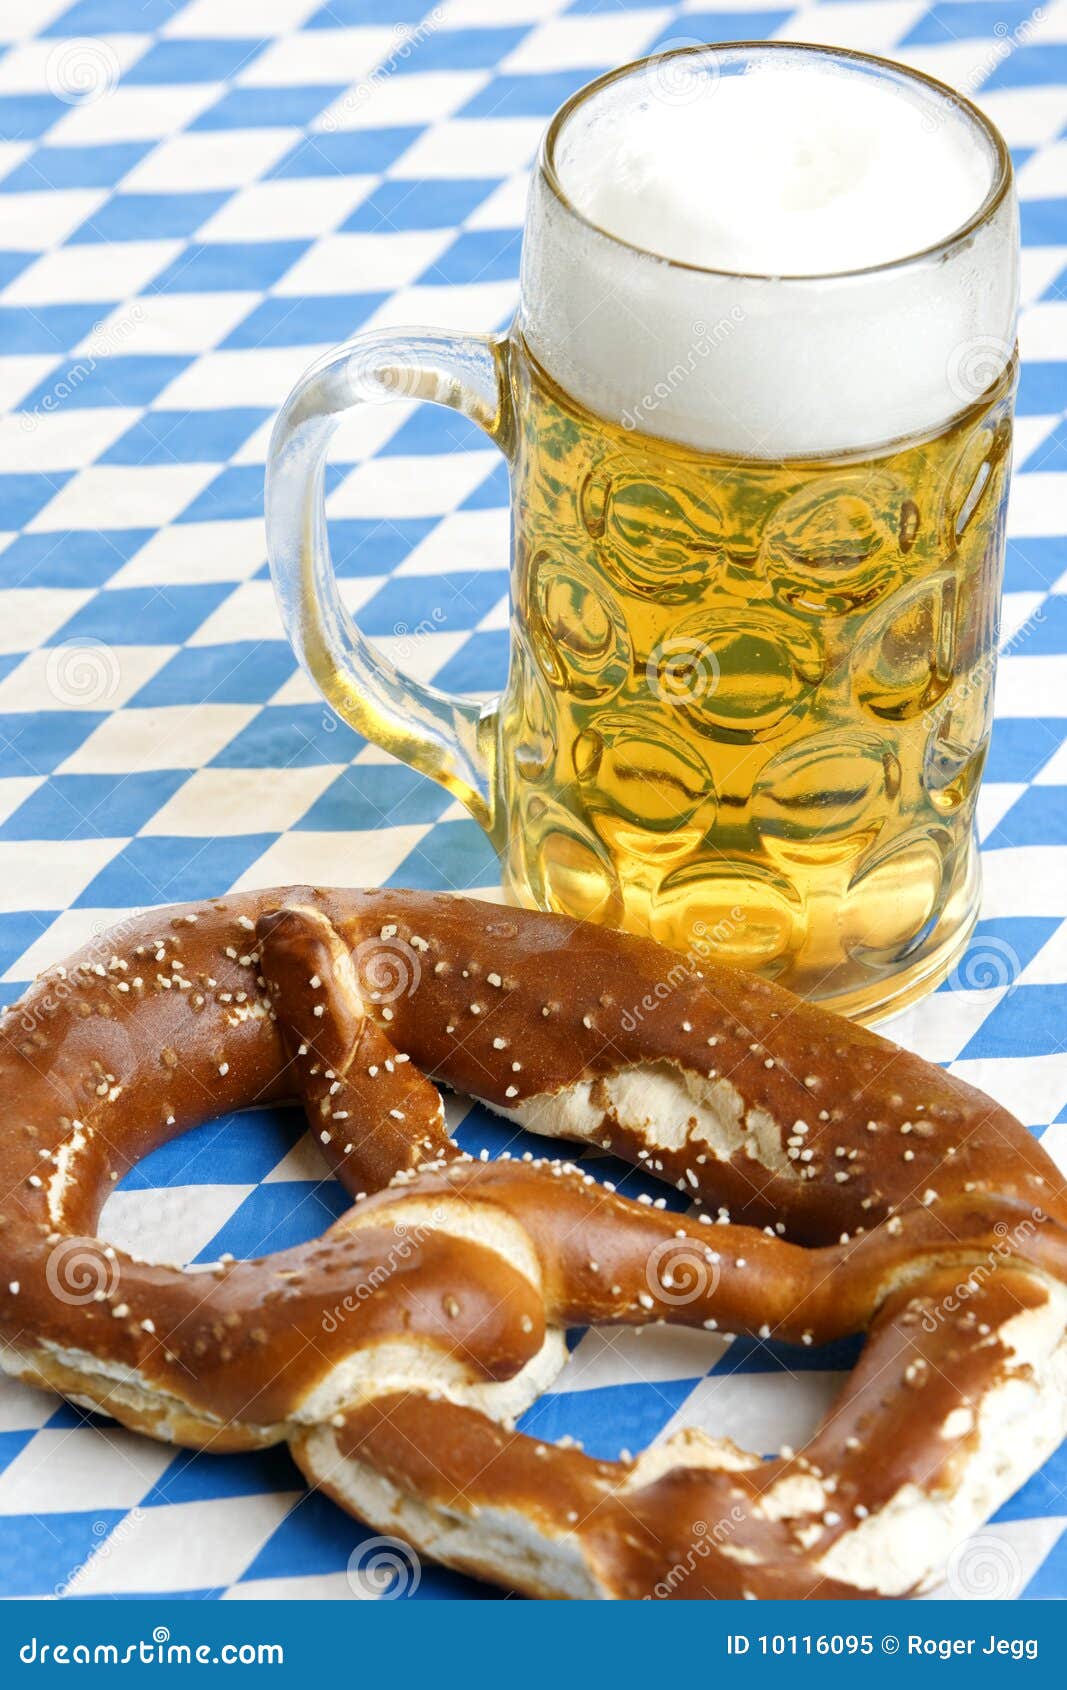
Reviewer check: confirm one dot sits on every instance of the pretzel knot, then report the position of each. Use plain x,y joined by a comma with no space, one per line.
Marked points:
838,1185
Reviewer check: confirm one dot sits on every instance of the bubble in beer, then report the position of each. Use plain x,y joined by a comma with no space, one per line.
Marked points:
532,731
573,872
753,914
978,474
904,662
831,787
578,634
661,540
767,667
956,748
835,547
893,895
654,777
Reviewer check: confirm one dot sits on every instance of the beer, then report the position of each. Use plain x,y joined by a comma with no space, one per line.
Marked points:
756,403
752,700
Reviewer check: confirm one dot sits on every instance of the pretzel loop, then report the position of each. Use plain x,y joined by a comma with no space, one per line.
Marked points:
849,1187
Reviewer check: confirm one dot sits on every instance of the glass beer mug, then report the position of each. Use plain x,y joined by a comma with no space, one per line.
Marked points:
756,404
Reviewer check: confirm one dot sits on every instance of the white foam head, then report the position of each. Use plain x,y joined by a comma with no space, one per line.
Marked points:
772,251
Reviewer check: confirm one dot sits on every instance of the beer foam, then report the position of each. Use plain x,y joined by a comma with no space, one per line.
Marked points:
703,250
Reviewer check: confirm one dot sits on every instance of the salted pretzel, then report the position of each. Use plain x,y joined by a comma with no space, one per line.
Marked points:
849,1187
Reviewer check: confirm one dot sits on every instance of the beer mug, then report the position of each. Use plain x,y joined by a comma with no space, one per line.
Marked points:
756,405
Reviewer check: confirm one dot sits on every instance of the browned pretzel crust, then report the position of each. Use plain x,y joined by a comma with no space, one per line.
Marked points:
851,1187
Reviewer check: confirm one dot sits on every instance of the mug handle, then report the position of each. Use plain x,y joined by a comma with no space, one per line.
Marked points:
444,735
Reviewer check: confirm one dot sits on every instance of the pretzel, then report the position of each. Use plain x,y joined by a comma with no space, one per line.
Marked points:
851,1187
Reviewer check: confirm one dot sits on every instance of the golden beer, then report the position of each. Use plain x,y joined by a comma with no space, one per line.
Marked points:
753,696
758,423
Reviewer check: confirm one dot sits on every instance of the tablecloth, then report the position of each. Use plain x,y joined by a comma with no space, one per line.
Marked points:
197,197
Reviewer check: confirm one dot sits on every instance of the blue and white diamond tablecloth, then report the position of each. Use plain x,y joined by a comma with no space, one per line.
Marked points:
197,197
